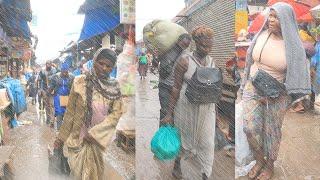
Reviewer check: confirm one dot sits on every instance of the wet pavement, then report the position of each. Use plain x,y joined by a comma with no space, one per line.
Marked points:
147,122
299,155
30,156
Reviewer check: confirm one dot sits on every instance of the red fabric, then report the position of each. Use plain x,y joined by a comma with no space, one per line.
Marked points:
305,18
299,8
256,24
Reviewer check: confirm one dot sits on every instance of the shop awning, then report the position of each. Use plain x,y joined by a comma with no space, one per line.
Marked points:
19,28
98,21
16,15
19,8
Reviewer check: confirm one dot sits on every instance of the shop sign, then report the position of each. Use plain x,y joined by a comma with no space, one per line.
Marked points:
241,21
127,11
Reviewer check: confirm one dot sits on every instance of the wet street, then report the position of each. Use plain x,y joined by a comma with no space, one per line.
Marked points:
30,156
299,150
147,119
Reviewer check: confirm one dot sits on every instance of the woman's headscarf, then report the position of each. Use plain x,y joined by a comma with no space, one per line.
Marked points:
105,53
297,80
108,88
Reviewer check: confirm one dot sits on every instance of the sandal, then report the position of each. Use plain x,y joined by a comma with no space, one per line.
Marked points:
254,172
266,174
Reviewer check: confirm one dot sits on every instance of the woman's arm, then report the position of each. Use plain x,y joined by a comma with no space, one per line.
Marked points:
103,132
179,71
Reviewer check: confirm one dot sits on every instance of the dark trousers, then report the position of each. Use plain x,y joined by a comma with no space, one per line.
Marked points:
164,98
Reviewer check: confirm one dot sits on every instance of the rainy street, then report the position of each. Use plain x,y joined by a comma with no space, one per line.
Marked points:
30,154
147,119
299,150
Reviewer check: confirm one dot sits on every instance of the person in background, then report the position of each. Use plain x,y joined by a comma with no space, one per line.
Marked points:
44,95
60,86
143,66
305,34
166,71
308,43
315,76
31,84
94,109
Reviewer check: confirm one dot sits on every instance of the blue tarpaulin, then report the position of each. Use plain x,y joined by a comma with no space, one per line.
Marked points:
17,14
19,27
18,7
98,21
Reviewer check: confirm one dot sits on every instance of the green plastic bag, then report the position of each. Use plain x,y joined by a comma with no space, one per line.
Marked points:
166,143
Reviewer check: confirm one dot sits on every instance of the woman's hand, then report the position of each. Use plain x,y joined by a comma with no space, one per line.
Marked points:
58,143
167,120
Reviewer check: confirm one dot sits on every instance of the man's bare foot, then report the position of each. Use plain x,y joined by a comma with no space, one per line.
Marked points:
253,173
266,174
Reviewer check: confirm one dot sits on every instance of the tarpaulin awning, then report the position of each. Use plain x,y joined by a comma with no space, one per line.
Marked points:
18,7
19,28
98,21
305,18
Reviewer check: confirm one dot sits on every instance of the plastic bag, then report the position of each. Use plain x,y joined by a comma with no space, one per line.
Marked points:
244,156
166,143
126,68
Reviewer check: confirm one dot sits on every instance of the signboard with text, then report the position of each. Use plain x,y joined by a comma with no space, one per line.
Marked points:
127,11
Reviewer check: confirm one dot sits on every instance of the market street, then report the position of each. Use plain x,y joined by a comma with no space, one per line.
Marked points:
299,150
30,156
147,119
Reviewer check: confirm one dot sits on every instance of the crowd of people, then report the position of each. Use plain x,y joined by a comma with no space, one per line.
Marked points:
83,109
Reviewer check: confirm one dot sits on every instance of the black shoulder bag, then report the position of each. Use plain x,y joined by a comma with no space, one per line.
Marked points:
265,84
205,85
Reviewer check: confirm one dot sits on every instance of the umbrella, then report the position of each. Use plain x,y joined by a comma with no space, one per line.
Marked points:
300,9
305,18
257,24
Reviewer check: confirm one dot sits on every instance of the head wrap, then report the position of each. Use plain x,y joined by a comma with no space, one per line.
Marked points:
297,80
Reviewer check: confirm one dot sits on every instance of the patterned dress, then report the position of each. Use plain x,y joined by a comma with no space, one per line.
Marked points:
196,124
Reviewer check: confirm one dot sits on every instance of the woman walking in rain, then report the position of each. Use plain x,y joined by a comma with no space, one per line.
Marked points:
196,122
263,114
94,108
143,66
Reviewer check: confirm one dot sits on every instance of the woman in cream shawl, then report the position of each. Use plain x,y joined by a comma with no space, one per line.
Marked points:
93,111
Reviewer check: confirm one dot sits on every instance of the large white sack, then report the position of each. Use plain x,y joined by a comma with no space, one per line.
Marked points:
161,35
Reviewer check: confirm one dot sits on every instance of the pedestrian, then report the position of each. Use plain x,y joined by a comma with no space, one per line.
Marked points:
315,64
166,71
143,66
32,87
60,86
196,122
263,115
94,109
45,97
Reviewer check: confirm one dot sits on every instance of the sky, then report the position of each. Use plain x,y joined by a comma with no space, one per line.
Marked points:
57,24
148,10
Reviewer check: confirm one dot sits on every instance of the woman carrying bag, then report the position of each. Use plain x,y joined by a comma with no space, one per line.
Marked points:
277,74
193,116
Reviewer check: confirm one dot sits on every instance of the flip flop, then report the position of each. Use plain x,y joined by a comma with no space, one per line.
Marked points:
263,174
256,173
